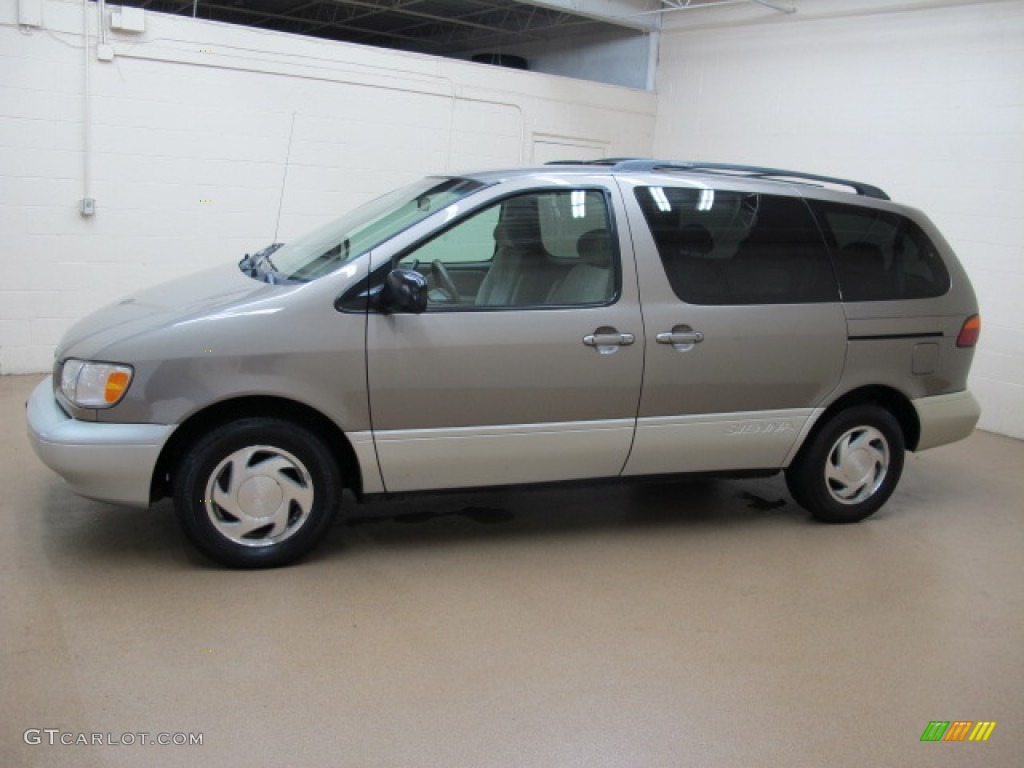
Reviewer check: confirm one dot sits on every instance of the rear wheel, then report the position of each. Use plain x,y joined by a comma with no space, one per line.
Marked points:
850,467
257,493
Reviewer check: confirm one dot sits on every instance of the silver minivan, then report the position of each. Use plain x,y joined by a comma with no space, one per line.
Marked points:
616,319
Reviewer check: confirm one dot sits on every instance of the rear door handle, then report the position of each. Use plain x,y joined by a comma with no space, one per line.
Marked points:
681,337
607,339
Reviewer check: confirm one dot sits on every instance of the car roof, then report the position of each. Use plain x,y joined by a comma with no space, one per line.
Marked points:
615,166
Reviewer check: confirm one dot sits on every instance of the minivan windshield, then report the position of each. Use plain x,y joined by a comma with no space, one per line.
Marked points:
323,250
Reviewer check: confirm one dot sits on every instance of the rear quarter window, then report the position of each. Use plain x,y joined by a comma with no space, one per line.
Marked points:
880,256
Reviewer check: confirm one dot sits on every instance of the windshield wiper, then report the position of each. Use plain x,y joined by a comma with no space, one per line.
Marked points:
253,265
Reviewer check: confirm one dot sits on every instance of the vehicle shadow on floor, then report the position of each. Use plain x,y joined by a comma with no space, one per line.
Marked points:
450,518
89,533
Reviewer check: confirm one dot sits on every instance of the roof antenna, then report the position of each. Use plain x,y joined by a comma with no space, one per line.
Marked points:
284,177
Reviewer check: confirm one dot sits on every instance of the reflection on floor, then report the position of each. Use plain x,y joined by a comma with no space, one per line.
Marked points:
669,624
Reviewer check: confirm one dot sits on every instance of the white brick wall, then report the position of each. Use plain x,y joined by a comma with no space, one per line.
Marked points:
190,129
924,98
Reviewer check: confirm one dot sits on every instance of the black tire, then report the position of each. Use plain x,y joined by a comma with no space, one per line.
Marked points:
850,467
257,493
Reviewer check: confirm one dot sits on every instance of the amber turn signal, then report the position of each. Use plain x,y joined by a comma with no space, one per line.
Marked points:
116,384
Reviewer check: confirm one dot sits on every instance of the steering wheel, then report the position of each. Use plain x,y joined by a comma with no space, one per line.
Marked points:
444,281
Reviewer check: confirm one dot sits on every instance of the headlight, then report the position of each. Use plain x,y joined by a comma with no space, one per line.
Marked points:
94,385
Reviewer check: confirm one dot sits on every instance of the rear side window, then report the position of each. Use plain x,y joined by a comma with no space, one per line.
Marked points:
880,256
721,247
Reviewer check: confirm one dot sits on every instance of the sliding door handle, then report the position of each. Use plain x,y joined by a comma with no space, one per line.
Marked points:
682,337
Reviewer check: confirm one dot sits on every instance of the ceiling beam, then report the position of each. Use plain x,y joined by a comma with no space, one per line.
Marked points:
668,6
634,14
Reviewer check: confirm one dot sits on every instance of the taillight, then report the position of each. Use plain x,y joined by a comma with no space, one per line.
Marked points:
970,332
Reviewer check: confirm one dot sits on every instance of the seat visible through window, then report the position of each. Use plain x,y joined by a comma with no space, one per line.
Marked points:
520,271
591,280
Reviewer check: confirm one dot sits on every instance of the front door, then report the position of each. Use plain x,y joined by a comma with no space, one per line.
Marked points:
526,366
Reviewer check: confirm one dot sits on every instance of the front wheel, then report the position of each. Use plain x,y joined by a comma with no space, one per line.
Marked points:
850,467
257,493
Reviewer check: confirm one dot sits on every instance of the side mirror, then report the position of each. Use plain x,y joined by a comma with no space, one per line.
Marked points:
404,290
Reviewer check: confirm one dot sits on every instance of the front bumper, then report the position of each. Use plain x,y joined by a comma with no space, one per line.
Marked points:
108,462
946,418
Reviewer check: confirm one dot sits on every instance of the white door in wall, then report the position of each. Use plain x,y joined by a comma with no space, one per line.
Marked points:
549,150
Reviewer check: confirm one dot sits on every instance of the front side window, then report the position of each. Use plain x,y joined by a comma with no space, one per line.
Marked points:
721,247
881,256
536,249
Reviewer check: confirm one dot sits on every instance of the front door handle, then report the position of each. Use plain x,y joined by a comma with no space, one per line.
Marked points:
607,339
681,337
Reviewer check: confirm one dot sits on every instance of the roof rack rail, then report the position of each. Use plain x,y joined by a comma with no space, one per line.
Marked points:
609,161
754,171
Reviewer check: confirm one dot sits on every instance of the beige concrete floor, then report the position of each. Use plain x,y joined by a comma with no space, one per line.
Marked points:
685,624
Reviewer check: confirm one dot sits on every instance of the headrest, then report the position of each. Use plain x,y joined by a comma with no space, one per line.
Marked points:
694,238
520,223
595,248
